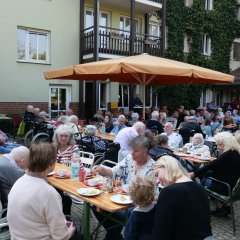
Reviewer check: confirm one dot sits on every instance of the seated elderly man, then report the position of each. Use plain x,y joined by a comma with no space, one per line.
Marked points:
125,136
12,167
154,124
174,139
120,125
97,144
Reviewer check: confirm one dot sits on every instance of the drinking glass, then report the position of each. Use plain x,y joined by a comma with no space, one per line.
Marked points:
106,188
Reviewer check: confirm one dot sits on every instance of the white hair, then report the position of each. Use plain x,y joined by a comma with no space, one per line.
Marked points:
19,153
91,130
121,117
139,126
155,114
73,119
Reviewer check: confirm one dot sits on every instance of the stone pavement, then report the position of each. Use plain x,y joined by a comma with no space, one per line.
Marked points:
221,227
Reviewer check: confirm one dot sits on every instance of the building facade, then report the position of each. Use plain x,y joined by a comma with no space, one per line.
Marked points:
42,35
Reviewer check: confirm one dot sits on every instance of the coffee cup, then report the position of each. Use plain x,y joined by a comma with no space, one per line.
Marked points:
92,182
62,172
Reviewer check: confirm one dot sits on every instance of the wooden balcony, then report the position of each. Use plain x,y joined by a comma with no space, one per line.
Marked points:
116,42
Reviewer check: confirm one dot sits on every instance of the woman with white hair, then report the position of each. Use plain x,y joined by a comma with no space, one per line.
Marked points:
197,147
225,168
181,201
96,144
63,139
72,122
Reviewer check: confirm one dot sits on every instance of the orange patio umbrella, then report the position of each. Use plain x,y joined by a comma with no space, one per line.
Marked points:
141,69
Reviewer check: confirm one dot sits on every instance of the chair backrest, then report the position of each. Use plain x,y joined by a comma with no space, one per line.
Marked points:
236,191
86,144
87,159
112,152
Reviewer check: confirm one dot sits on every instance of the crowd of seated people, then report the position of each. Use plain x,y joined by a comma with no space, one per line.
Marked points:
148,155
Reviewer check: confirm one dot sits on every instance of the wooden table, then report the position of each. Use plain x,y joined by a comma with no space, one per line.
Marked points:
198,160
106,136
100,201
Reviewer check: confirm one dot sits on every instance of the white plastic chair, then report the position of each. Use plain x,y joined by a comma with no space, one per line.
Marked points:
87,160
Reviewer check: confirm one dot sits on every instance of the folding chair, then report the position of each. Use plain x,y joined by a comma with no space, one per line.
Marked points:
4,231
233,195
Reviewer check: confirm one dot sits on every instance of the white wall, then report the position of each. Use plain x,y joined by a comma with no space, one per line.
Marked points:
24,82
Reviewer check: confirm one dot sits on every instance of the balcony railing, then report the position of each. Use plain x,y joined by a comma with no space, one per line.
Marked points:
117,42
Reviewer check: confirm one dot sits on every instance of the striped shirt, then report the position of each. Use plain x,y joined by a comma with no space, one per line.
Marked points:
67,155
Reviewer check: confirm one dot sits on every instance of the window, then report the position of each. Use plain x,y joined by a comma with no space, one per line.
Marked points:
209,5
103,95
154,29
103,21
148,96
188,3
125,25
236,51
33,45
238,13
59,99
187,43
207,49
123,100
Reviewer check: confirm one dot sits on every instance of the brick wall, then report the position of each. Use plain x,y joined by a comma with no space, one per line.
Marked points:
9,108
20,107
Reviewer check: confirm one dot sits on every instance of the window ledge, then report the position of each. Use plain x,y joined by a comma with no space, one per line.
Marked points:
24,61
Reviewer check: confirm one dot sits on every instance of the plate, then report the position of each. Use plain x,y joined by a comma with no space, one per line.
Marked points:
62,177
87,192
121,199
96,186
51,173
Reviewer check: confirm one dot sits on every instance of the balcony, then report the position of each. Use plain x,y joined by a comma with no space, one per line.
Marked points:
112,41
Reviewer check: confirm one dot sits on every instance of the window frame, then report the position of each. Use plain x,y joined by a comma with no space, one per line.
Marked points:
68,89
209,5
27,33
186,43
236,58
207,45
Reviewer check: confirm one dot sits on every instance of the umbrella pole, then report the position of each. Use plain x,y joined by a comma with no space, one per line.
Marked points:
144,100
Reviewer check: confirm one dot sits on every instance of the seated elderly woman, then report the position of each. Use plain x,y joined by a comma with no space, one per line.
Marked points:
197,147
181,200
228,122
94,143
138,163
72,122
37,213
225,168
63,139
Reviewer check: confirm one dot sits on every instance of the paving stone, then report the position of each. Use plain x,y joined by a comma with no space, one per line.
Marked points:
221,227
